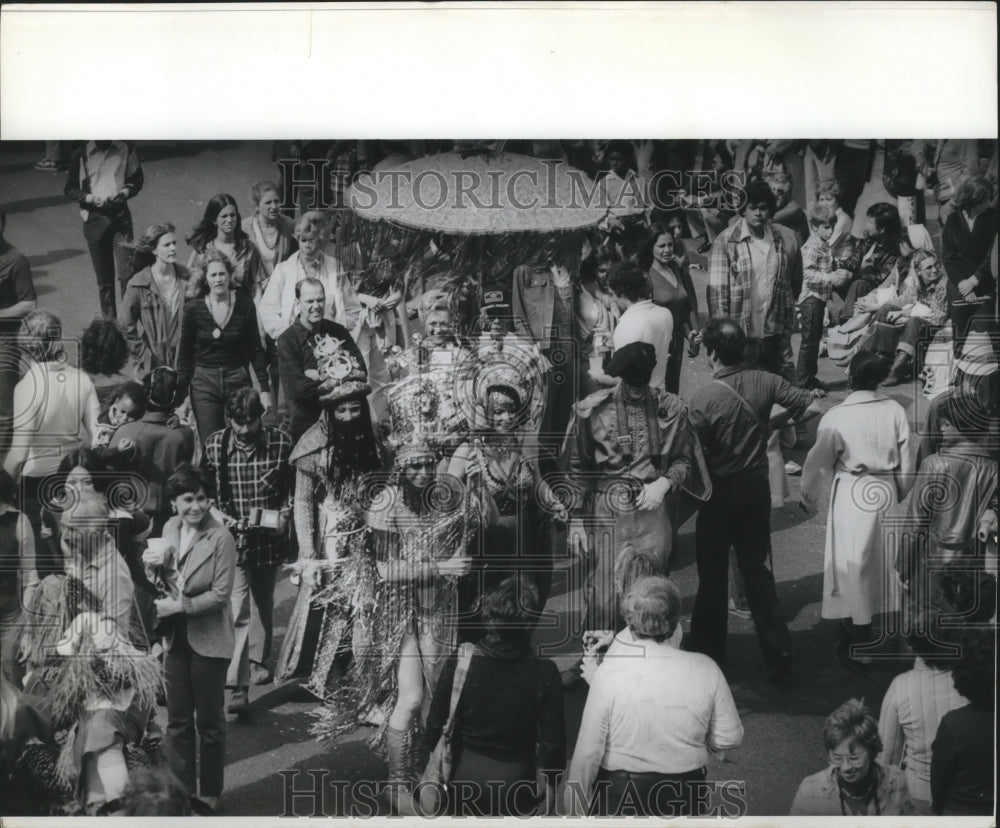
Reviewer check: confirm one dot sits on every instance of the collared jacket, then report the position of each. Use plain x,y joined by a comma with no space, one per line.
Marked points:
730,272
87,176
157,452
819,794
206,575
533,301
153,329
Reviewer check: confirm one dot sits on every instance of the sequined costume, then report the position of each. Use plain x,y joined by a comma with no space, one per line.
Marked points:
407,539
330,523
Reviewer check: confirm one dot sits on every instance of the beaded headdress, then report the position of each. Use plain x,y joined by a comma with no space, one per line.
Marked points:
340,371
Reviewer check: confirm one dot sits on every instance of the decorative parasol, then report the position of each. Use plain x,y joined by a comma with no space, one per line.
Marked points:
481,192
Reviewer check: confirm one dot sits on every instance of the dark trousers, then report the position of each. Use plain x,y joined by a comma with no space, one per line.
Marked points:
209,389
674,363
738,515
969,316
850,171
622,793
811,314
482,786
104,240
196,697
857,289
10,356
560,396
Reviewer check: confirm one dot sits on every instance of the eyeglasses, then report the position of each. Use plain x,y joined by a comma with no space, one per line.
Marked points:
853,759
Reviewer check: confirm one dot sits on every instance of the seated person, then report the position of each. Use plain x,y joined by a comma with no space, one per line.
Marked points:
919,312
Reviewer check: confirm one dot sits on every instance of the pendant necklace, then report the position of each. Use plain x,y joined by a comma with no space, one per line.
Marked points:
217,332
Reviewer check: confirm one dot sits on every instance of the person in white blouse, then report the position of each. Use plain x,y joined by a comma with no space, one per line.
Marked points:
863,444
651,718
55,410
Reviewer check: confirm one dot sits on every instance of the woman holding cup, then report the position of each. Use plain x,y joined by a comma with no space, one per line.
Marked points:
194,564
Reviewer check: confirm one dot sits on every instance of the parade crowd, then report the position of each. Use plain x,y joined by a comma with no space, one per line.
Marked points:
417,447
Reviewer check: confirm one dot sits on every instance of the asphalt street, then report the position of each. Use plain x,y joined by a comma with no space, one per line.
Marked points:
782,741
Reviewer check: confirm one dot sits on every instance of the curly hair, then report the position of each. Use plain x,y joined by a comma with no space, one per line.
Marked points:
103,348
975,674
855,721
629,280
509,609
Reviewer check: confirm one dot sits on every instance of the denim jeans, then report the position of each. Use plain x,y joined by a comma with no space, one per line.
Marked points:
209,389
811,312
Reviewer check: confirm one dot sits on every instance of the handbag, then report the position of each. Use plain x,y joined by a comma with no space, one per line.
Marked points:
439,768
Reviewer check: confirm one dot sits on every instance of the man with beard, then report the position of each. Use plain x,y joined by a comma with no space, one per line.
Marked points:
250,463
626,450
331,461
297,362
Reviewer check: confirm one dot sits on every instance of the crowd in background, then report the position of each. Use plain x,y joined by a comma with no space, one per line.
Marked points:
411,459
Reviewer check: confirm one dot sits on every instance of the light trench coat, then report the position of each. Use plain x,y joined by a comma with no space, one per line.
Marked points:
864,445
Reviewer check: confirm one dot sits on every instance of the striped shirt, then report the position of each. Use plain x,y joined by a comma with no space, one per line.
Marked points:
912,709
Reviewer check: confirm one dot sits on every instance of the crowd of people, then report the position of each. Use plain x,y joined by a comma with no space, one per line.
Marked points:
416,454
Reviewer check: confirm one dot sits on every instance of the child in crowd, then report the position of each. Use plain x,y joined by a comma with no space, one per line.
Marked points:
127,406
827,195
818,281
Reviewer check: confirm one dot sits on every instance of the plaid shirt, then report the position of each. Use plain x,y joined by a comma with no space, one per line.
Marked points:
259,477
817,265
730,272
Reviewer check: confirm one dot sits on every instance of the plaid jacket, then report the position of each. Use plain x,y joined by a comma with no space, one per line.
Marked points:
259,477
730,271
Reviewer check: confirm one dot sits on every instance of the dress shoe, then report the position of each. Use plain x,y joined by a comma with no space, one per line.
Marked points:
261,675
204,805
240,701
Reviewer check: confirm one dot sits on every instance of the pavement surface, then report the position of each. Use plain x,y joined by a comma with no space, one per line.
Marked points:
782,724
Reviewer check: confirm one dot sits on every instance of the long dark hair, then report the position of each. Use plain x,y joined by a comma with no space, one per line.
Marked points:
353,449
206,231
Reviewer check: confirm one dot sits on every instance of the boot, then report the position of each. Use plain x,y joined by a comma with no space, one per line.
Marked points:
901,371
398,791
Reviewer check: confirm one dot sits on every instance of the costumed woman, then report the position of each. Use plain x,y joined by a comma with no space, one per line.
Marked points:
518,538
419,527
331,460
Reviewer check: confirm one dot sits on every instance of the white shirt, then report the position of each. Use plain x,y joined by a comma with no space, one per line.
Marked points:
55,412
646,322
658,712
278,305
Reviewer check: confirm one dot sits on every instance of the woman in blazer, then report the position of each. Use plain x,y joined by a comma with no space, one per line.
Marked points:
195,570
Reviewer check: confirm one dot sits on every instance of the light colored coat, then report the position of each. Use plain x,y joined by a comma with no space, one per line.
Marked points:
864,445
278,305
